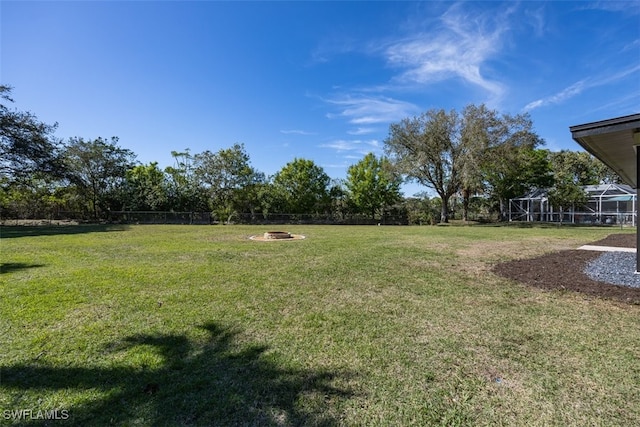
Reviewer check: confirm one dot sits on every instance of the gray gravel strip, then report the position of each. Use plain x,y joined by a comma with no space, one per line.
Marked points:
617,268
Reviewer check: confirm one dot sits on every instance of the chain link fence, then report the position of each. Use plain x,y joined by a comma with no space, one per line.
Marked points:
203,218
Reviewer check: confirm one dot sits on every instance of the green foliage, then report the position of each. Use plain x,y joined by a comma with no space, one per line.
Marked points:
427,148
26,144
302,187
229,180
33,198
581,168
512,171
185,192
478,150
372,185
422,210
98,169
572,170
566,194
146,188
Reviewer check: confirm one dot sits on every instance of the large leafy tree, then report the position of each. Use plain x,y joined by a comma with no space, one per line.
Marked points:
98,169
302,187
581,168
571,171
513,163
427,149
478,150
229,179
372,185
479,129
146,188
26,144
565,195
513,171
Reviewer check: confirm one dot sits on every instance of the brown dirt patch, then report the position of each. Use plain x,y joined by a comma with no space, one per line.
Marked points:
564,270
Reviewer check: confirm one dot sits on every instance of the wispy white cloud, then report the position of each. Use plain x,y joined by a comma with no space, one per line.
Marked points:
459,44
577,88
633,46
458,47
362,131
627,7
368,110
537,20
563,95
362,147
343,165
296,132
624,105
333,46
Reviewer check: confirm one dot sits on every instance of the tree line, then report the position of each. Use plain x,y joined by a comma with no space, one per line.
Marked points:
474,161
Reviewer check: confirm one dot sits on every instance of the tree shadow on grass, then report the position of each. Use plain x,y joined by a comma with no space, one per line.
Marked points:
219,383
13,231
10,267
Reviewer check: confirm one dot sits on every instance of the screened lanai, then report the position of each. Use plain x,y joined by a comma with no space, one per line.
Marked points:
615,142
607,204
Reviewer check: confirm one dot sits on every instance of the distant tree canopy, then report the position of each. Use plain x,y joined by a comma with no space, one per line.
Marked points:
301,186
98,169
427,149
185,192
478,155
146,188
571,171
228,178
581,168
466,153
27,145
372,185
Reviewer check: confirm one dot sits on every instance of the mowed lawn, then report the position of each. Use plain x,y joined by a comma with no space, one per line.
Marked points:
198,325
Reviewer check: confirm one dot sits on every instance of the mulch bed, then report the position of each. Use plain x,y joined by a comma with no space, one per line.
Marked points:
564,270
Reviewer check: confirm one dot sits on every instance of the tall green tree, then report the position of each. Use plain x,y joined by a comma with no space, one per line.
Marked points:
229,179
478,150
513,163
146,188
98,169
26,144
512,171
427,149
372,185
302,187
572,170
184,190
338,195
479,128
566,194
581,168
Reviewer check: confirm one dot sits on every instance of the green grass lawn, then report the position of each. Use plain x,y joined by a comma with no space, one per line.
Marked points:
198,325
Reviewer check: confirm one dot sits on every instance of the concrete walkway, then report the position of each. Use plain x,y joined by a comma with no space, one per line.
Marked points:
606,248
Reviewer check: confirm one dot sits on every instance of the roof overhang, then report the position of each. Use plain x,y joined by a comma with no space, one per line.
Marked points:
614,142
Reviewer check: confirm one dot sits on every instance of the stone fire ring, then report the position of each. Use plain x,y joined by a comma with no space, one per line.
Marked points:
277,236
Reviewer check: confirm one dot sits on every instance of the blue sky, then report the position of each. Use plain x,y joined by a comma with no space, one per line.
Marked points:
314,80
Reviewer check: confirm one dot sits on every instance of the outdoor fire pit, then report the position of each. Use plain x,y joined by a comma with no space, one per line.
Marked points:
277,235
272,236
